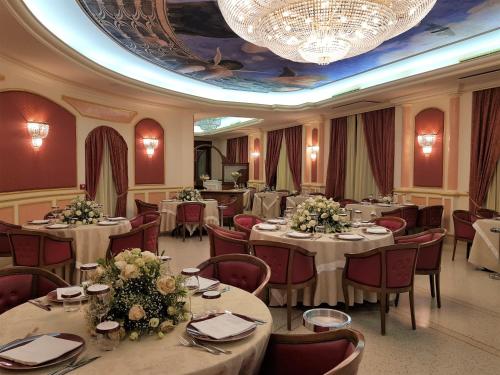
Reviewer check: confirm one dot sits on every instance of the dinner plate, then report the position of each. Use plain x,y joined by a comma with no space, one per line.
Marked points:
295,234
57,226
11,365
384,205
349,237
39,222
264,226
118,218
276,221
193,332
107,223
376,230
52,297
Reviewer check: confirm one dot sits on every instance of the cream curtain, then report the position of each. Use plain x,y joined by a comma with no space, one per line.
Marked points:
493,197
359,182
106,190
284,180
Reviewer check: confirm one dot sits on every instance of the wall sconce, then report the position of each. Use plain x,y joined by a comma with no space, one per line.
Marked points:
151,144
314,152
38,132
426,141
255,154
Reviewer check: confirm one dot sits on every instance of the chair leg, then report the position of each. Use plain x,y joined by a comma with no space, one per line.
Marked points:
469,245
387,303
396,301
289,309
454,249
382,298
412,310
200,230
183,232
346,296
431,280
438,291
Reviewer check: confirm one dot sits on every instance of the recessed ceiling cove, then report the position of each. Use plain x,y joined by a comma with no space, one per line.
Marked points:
191,38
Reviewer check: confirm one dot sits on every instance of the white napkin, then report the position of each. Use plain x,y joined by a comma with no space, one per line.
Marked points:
376,230
206,283
60,291
296,234
43,221
223,326
350,237
265,226
277,221
58,226
107,222
118,218
43,349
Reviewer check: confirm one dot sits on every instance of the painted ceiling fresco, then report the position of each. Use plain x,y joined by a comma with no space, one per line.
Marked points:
191,38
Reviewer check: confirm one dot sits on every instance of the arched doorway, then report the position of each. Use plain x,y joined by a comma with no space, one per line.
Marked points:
203,160
106,168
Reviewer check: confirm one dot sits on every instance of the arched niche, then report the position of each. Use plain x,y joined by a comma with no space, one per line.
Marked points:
149,169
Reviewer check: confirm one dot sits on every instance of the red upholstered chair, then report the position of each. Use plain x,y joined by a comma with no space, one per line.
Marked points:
292,268
429,257
486,213
40,249
230,211
389,269
430,217
144,237
245,222
145,206
190,213
151,233
144,218
224,241
239,270
5,228
345,202
464,231
396,225
408,213
20,284
326,353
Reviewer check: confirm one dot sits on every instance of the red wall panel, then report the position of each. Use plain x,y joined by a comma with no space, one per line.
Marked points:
428,170
23,168
149,170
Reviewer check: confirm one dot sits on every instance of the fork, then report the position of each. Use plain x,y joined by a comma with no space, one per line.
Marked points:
187,343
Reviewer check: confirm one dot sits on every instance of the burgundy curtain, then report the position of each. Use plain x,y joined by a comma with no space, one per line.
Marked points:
274,139
243,149
335,178
293,139
379,135
485,144
232,150
94,145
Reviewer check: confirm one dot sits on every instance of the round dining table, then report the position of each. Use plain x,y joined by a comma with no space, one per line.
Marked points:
370,211
330,262
150,355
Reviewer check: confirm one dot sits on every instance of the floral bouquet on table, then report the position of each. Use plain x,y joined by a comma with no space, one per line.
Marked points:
387,199
145,300
81,211
204,177
319,211
188,195
235,175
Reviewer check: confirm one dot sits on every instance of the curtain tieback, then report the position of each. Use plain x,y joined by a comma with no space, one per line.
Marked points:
122,194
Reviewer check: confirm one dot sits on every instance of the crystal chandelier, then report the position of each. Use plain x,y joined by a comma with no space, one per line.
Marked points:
209,124
321,31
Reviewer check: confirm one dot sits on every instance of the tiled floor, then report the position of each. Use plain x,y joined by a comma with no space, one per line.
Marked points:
463,337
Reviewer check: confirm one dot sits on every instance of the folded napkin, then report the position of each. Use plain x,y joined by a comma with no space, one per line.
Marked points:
350,237
223,326
297,234
43,349
60,291
264,226
277,221
206,283
117,218
58,226
377,230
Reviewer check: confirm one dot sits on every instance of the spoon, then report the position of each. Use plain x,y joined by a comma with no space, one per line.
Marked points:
187,343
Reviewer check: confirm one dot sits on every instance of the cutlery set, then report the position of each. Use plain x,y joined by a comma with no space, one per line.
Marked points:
73,365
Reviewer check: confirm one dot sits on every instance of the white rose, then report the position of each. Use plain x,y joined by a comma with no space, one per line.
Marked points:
91,214
121,264
78,213
324,215
133,336
136,312
312,223
139,262
94,221
89,203
335,217
154,322
130,272
165,285
135,251
148,256
303,227
84,221
120,256
78,204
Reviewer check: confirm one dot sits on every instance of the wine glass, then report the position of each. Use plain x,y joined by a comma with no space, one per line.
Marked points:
192,284
99,300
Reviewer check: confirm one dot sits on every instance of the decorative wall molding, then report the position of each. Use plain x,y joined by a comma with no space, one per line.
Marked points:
99,111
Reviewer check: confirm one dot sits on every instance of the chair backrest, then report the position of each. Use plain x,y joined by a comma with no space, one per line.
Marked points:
486,213
345,202
5,228
396,225
144,218
410,214
231,208
239,270
326,353
224,241
289,264
151,233
129,240
190,212
398,212
430,216
283,191
431,247
245,222
145,206
462,223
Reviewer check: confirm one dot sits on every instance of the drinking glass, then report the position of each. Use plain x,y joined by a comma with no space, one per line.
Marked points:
99,300
192,284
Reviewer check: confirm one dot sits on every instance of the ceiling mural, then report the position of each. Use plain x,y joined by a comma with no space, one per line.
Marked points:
191,38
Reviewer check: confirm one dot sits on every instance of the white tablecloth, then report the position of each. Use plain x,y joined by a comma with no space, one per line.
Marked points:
168,211
89,241
370,211
150,355
293,202
485,248
267,204
330,262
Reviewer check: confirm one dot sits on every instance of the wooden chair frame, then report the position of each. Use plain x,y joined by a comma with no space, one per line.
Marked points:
243,229
149,206
289,286
399,232
426,211
383,291
486,213
211,229
459,238
141,228
5,235
240,258
232,202
199,222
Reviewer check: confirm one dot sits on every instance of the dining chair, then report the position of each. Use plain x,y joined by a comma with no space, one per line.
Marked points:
5,228
396,225
21,284
245,222
345,202
429,257
230,211
190,213
224,241
145,237
430,217
144,218
283,203
44,250
326,353
145,206
239,270
385,270
292,268
464,231
408,213
486,213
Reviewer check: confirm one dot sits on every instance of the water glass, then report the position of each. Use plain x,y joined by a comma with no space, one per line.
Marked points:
72,300
211,302
99,300
108,335
192,284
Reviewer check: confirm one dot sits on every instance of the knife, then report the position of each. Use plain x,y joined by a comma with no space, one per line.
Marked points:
40,305
25,339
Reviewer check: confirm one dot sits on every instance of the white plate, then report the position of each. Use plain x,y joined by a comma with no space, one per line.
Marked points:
39,222
377,230
384,204
264,226
296,234
107,223
349,237
57,226
408,204
276,221
118,218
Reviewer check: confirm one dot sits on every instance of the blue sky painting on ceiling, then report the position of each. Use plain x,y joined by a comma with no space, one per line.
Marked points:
186,36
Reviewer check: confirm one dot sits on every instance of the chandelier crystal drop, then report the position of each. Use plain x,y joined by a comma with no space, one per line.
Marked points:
321,31
209,124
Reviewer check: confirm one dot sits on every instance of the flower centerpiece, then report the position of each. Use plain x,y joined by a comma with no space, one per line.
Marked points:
188,195
387,199
145,299
81,211
204,177
235,175
319,211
